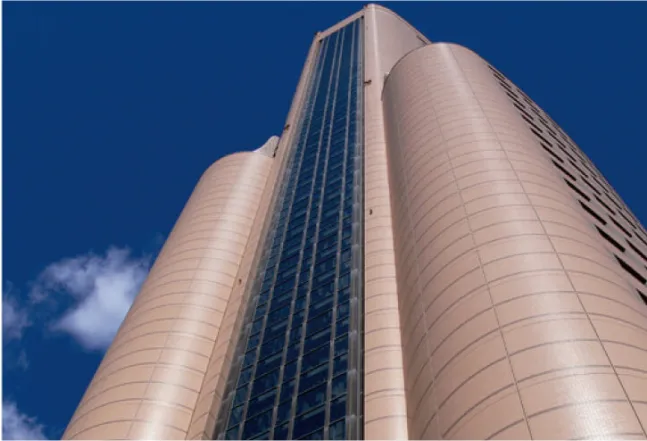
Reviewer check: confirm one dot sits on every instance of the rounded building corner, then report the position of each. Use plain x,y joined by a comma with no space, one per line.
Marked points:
227,158
267,151
426,48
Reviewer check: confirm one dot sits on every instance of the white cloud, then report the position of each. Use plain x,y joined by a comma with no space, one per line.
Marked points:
14,318
17,425
102,289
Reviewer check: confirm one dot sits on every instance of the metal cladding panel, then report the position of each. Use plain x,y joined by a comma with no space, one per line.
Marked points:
148,383
517,319
387,38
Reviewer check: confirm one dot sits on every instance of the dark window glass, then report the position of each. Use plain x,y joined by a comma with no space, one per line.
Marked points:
290,370
257,424
293,352
306,282
311,399
240,396
270,363
236,414
321,306
313,377
245,375
309,422
338,408
264,435
341,345
261,402
343,310
339,385
317,340
265,382
287,389
340,364
283,411
337,430
276,329
232,433
317,434
281,432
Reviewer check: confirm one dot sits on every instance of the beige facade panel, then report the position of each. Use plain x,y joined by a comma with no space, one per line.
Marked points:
517,319
387,38
149,381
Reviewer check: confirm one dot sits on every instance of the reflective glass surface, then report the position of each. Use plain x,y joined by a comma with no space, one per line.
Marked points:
297,372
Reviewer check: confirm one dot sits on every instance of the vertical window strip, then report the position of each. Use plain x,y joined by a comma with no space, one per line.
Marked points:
334,156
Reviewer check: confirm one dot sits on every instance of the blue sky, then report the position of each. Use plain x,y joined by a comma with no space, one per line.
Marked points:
113,110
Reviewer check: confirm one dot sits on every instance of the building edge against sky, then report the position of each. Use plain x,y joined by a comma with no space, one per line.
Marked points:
502,279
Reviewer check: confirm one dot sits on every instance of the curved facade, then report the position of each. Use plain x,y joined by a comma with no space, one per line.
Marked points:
389,37
423,254
517,321
148,383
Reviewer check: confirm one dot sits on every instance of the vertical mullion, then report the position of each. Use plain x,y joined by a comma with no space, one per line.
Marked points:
356,317
340,227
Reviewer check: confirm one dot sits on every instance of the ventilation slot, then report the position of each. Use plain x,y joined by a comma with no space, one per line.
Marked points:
578,191
552,153
576,167
641,238
624,216
642,296
631,271
637,251
595,190
623,229
593,213
601,202
610,239
531,123
563,170
538,135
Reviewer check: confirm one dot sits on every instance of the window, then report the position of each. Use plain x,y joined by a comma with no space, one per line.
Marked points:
337,430
261,403
311,399
313,377
338,408
306,423
257,425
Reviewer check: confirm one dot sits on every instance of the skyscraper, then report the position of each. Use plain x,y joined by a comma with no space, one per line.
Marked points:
422,253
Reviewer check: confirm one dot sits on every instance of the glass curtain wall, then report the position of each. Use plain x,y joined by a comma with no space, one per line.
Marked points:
298,370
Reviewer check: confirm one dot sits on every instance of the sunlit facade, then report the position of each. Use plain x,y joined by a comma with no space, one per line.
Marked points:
422,254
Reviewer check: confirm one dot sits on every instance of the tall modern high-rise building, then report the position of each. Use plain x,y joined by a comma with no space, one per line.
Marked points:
422,253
